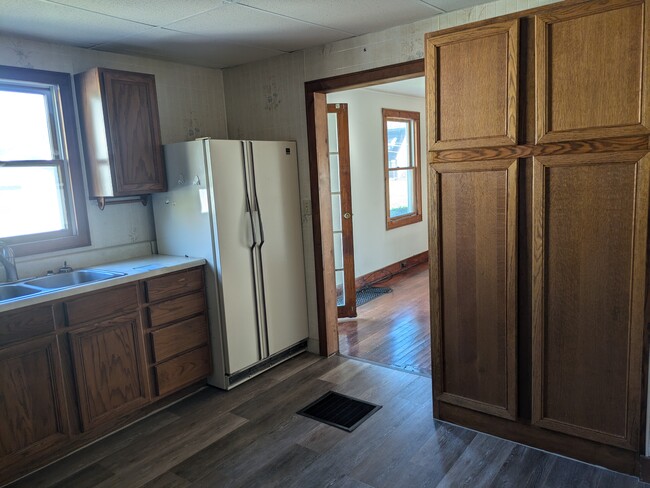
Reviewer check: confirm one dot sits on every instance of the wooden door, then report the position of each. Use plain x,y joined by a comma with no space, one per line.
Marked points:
33,413
474,284
472,87
134,130
108,368
590,215
339,156
591,65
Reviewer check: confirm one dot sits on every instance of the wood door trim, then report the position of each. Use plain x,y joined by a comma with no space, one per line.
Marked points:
542,21
316,109
641,159
436,268
349,308
432,44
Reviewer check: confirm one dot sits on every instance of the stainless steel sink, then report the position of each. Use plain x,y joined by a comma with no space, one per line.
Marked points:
11,291
65,280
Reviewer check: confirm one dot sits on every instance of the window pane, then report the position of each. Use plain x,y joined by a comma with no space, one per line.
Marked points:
332,133
336,212
398,141
338,250
401,186
31,200
24,127
334,173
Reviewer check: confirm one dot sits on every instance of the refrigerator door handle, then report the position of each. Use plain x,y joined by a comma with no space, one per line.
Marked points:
249,210
255,200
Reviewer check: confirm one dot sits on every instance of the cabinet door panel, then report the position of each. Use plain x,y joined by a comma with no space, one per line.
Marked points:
108,369
590,71
132,113
474,284
472,87
589,221
32,409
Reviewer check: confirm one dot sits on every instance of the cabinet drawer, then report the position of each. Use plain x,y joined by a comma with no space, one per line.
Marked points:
23,324
174,284
113,301
176,309
177,338
183,370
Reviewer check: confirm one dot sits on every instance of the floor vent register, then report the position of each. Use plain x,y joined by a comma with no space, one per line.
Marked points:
340,411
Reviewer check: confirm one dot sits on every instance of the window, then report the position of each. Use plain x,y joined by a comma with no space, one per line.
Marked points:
42,200
402,167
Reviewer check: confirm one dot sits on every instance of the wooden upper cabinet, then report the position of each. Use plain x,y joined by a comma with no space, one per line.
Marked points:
590,218
121,132
474,284
471,80
591,61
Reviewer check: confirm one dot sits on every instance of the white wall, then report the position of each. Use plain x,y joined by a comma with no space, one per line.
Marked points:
191,103
374,246
266,99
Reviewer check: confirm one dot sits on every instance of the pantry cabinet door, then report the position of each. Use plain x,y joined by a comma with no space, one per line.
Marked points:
473,208
591,64
471,82
590,216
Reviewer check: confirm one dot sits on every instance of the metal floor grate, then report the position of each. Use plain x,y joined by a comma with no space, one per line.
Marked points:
339,410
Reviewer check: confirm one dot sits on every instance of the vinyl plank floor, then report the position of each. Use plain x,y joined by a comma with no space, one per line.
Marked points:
252,437
393,329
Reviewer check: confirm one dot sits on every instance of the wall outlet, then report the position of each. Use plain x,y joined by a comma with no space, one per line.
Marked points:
306,207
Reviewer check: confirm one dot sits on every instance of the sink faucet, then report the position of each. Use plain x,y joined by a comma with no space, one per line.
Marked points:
8,261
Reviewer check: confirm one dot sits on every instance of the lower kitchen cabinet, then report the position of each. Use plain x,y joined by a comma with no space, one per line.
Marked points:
33,413
108,369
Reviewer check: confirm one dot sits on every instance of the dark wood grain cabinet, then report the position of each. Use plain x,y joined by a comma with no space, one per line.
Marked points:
77,368
120,129
108,368
178,335
539,248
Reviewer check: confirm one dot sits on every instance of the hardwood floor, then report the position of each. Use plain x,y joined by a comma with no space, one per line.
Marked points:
251,436
393,329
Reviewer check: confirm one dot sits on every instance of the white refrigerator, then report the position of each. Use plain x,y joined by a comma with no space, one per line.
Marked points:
237,204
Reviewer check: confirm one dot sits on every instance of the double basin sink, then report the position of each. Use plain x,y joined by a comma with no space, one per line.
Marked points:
33,286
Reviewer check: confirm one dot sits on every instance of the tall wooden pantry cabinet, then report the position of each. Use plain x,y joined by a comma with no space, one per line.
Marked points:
539,169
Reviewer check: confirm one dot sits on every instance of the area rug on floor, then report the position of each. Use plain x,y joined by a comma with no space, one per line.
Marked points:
339,410
366,294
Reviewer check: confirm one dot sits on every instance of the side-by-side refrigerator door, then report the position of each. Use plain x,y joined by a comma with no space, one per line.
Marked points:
276,196
235,254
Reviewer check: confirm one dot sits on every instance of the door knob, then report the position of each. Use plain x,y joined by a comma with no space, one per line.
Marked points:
347,215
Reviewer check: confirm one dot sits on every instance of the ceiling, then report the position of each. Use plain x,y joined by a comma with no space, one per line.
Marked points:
413,87
212,33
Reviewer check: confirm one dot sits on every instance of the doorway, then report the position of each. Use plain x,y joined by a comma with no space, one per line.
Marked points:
316,95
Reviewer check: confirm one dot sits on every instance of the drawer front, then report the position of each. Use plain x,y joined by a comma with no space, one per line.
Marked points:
177,338
105,303
174,284
176,309
182,371
23,324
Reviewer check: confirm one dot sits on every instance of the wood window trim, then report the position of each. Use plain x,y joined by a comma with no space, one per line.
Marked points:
78,234
416,216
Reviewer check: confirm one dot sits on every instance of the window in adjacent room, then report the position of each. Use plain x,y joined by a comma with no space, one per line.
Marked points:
402,167
41,190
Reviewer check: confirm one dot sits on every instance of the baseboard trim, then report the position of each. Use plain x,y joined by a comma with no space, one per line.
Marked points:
391,270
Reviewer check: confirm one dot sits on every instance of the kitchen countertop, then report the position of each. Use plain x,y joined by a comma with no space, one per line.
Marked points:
135,269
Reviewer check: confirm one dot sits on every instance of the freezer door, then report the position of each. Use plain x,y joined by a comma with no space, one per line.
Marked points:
275,172
235,253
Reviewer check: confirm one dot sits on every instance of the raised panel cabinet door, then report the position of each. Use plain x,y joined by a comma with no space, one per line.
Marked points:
33,415
474,285
591,63
471,83
133,124
108,368
590,215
